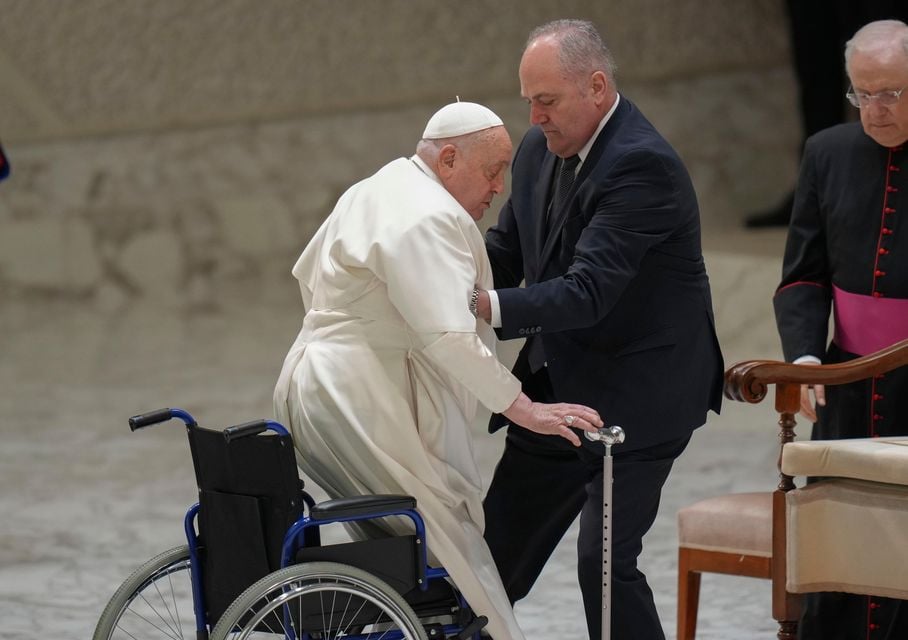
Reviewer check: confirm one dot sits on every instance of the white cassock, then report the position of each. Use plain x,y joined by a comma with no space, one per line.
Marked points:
381,386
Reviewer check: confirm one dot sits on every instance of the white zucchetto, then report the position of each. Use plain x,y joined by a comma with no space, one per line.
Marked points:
460,118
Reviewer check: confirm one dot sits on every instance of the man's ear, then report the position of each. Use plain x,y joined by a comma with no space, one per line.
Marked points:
599,86
446,160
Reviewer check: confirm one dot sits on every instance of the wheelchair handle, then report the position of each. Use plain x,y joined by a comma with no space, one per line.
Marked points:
161,415
253,429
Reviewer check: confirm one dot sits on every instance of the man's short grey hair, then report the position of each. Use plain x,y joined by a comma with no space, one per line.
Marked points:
428,150
876,34
581,49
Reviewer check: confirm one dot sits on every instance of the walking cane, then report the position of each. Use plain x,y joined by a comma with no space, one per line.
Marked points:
608,436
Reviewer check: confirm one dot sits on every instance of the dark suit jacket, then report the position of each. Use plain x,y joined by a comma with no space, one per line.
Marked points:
618,292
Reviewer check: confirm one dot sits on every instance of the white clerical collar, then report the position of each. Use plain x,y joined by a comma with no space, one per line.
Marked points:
584,152
422,166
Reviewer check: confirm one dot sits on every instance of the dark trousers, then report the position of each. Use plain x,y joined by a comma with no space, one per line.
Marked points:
540,485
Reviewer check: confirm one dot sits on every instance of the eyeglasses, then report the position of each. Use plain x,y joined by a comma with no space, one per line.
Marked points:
862,99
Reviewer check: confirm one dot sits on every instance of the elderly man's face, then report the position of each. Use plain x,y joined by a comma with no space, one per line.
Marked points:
479,170
567,109
884,69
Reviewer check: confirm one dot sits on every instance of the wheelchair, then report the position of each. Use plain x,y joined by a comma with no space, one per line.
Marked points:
254,565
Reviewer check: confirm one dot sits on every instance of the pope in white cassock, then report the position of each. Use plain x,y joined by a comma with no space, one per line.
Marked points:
381,386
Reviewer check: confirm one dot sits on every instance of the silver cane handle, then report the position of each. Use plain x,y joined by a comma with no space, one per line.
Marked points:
606,435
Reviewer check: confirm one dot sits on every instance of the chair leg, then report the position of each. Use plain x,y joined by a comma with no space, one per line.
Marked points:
688,597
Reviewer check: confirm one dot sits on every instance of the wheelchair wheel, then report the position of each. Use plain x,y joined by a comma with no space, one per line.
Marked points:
154,602
319,600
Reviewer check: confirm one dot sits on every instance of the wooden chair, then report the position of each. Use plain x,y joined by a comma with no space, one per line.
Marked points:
729,534
745,534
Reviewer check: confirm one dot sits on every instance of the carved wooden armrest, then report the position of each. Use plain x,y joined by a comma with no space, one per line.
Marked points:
747,381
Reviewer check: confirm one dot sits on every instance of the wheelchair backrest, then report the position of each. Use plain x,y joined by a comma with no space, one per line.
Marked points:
249,495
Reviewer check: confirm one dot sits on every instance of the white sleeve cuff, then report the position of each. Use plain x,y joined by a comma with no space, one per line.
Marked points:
496,308
807,360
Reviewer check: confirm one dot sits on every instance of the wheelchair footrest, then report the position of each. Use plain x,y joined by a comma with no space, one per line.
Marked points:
474,627
359,506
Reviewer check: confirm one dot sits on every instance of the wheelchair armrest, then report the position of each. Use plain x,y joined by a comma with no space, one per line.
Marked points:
365,506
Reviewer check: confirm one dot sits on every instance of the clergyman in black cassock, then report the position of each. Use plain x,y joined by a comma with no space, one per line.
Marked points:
847,254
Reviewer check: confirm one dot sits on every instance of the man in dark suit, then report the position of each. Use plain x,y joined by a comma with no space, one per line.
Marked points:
617,315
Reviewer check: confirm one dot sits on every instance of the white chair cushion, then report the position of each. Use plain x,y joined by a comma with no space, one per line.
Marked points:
874,459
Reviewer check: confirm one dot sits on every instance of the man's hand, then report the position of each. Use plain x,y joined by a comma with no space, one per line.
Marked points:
483,307
557,419
808,408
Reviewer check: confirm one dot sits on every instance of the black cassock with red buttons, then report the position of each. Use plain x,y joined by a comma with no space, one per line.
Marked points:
847,255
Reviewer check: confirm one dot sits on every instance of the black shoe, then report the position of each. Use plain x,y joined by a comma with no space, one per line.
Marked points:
778,216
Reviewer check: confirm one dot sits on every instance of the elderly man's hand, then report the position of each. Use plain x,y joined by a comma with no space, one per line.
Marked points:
557,419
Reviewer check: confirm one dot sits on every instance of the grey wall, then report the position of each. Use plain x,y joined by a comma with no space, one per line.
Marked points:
163,148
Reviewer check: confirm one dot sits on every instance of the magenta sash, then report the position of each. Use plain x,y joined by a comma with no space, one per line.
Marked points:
864,324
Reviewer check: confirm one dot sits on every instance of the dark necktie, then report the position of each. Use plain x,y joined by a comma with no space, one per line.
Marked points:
567,172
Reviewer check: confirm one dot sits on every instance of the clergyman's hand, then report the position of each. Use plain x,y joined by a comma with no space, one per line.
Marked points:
808,407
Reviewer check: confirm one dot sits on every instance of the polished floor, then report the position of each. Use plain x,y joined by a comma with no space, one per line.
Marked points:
84,501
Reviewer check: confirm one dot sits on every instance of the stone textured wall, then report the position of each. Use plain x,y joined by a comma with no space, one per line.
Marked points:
164,149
